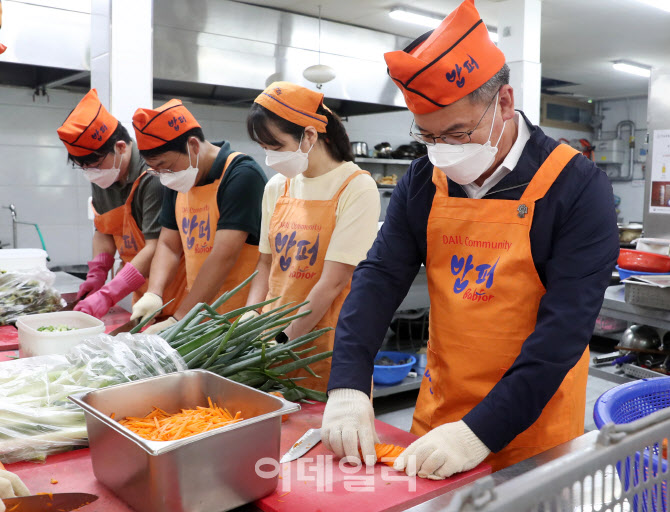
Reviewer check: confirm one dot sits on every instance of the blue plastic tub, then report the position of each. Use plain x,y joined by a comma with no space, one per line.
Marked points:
627,403
625,274
387,375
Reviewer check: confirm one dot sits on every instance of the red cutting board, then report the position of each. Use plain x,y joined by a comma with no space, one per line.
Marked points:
9,337
74,473
318,484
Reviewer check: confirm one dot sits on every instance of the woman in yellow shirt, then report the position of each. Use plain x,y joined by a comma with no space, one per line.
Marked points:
320,213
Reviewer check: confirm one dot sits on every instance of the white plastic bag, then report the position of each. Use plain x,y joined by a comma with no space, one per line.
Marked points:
36,417
23,293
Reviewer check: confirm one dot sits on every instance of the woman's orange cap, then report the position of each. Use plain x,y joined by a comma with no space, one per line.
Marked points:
154,128
446,64
294,103
87,127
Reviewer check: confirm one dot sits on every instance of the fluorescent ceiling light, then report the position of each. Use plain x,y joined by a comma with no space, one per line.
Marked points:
632,68
664,5
425,20
415,18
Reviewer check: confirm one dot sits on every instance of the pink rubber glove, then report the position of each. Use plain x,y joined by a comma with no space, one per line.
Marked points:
125,282
98,269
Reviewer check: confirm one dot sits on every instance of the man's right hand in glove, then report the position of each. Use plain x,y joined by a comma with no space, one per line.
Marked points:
98,268
348,421
146,306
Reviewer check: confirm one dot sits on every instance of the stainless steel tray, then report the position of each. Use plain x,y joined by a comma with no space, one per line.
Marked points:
209,472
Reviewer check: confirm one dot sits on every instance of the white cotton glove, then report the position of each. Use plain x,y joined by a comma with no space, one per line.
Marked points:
347,421
156,328
11,486
249,315
146,306
445,450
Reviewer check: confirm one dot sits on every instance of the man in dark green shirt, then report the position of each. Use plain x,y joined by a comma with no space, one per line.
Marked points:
102,148
211,211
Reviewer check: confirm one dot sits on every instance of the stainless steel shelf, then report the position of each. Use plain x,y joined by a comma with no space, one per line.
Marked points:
615,306
408,384
383,161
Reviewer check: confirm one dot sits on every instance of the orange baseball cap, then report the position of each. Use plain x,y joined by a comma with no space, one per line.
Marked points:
294,103
154,128
446,64
87,127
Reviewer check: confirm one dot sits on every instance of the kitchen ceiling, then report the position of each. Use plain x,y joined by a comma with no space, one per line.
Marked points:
580,38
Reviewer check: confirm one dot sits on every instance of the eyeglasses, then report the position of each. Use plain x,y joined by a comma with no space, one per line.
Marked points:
454,138
95,165
158,172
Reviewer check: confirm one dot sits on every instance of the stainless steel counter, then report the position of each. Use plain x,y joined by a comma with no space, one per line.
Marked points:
66,283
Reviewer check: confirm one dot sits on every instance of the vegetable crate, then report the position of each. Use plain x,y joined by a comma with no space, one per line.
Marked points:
626,469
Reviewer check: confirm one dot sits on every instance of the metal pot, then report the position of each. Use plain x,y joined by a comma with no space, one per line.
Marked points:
640,337
383,150
359,148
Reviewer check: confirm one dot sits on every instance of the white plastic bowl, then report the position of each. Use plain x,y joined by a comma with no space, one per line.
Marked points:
38,343
23,259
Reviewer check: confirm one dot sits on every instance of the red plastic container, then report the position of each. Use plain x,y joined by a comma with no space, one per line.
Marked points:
643,261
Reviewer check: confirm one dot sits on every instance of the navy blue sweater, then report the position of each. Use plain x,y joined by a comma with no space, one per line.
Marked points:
574,243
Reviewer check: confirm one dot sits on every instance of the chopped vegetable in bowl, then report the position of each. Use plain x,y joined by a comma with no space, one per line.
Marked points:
56,328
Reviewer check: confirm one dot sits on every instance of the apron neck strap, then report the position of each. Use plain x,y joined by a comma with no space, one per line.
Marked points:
548,172
440,181
134,189
337,195
229,160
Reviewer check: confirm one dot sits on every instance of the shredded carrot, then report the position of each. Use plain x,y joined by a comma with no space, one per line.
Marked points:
284,494
54,481
112,415
159,425
50,494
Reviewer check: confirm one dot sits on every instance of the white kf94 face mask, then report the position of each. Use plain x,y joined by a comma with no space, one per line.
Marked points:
464,163
288,163
182,181
104,178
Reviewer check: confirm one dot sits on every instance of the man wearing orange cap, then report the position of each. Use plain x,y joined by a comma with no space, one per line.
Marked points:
211,213
126,201
518,235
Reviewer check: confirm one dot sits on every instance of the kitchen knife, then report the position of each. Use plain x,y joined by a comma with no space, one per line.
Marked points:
127,327
60,502
308,441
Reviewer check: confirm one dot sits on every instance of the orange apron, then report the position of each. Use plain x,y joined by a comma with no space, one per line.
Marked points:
300,233
197,214
485,294
129,241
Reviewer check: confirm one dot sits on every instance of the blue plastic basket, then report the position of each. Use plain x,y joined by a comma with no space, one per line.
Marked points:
627,403
387,375
625,274
632,401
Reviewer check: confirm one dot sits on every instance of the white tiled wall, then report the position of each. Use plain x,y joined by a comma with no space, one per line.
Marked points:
35,176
